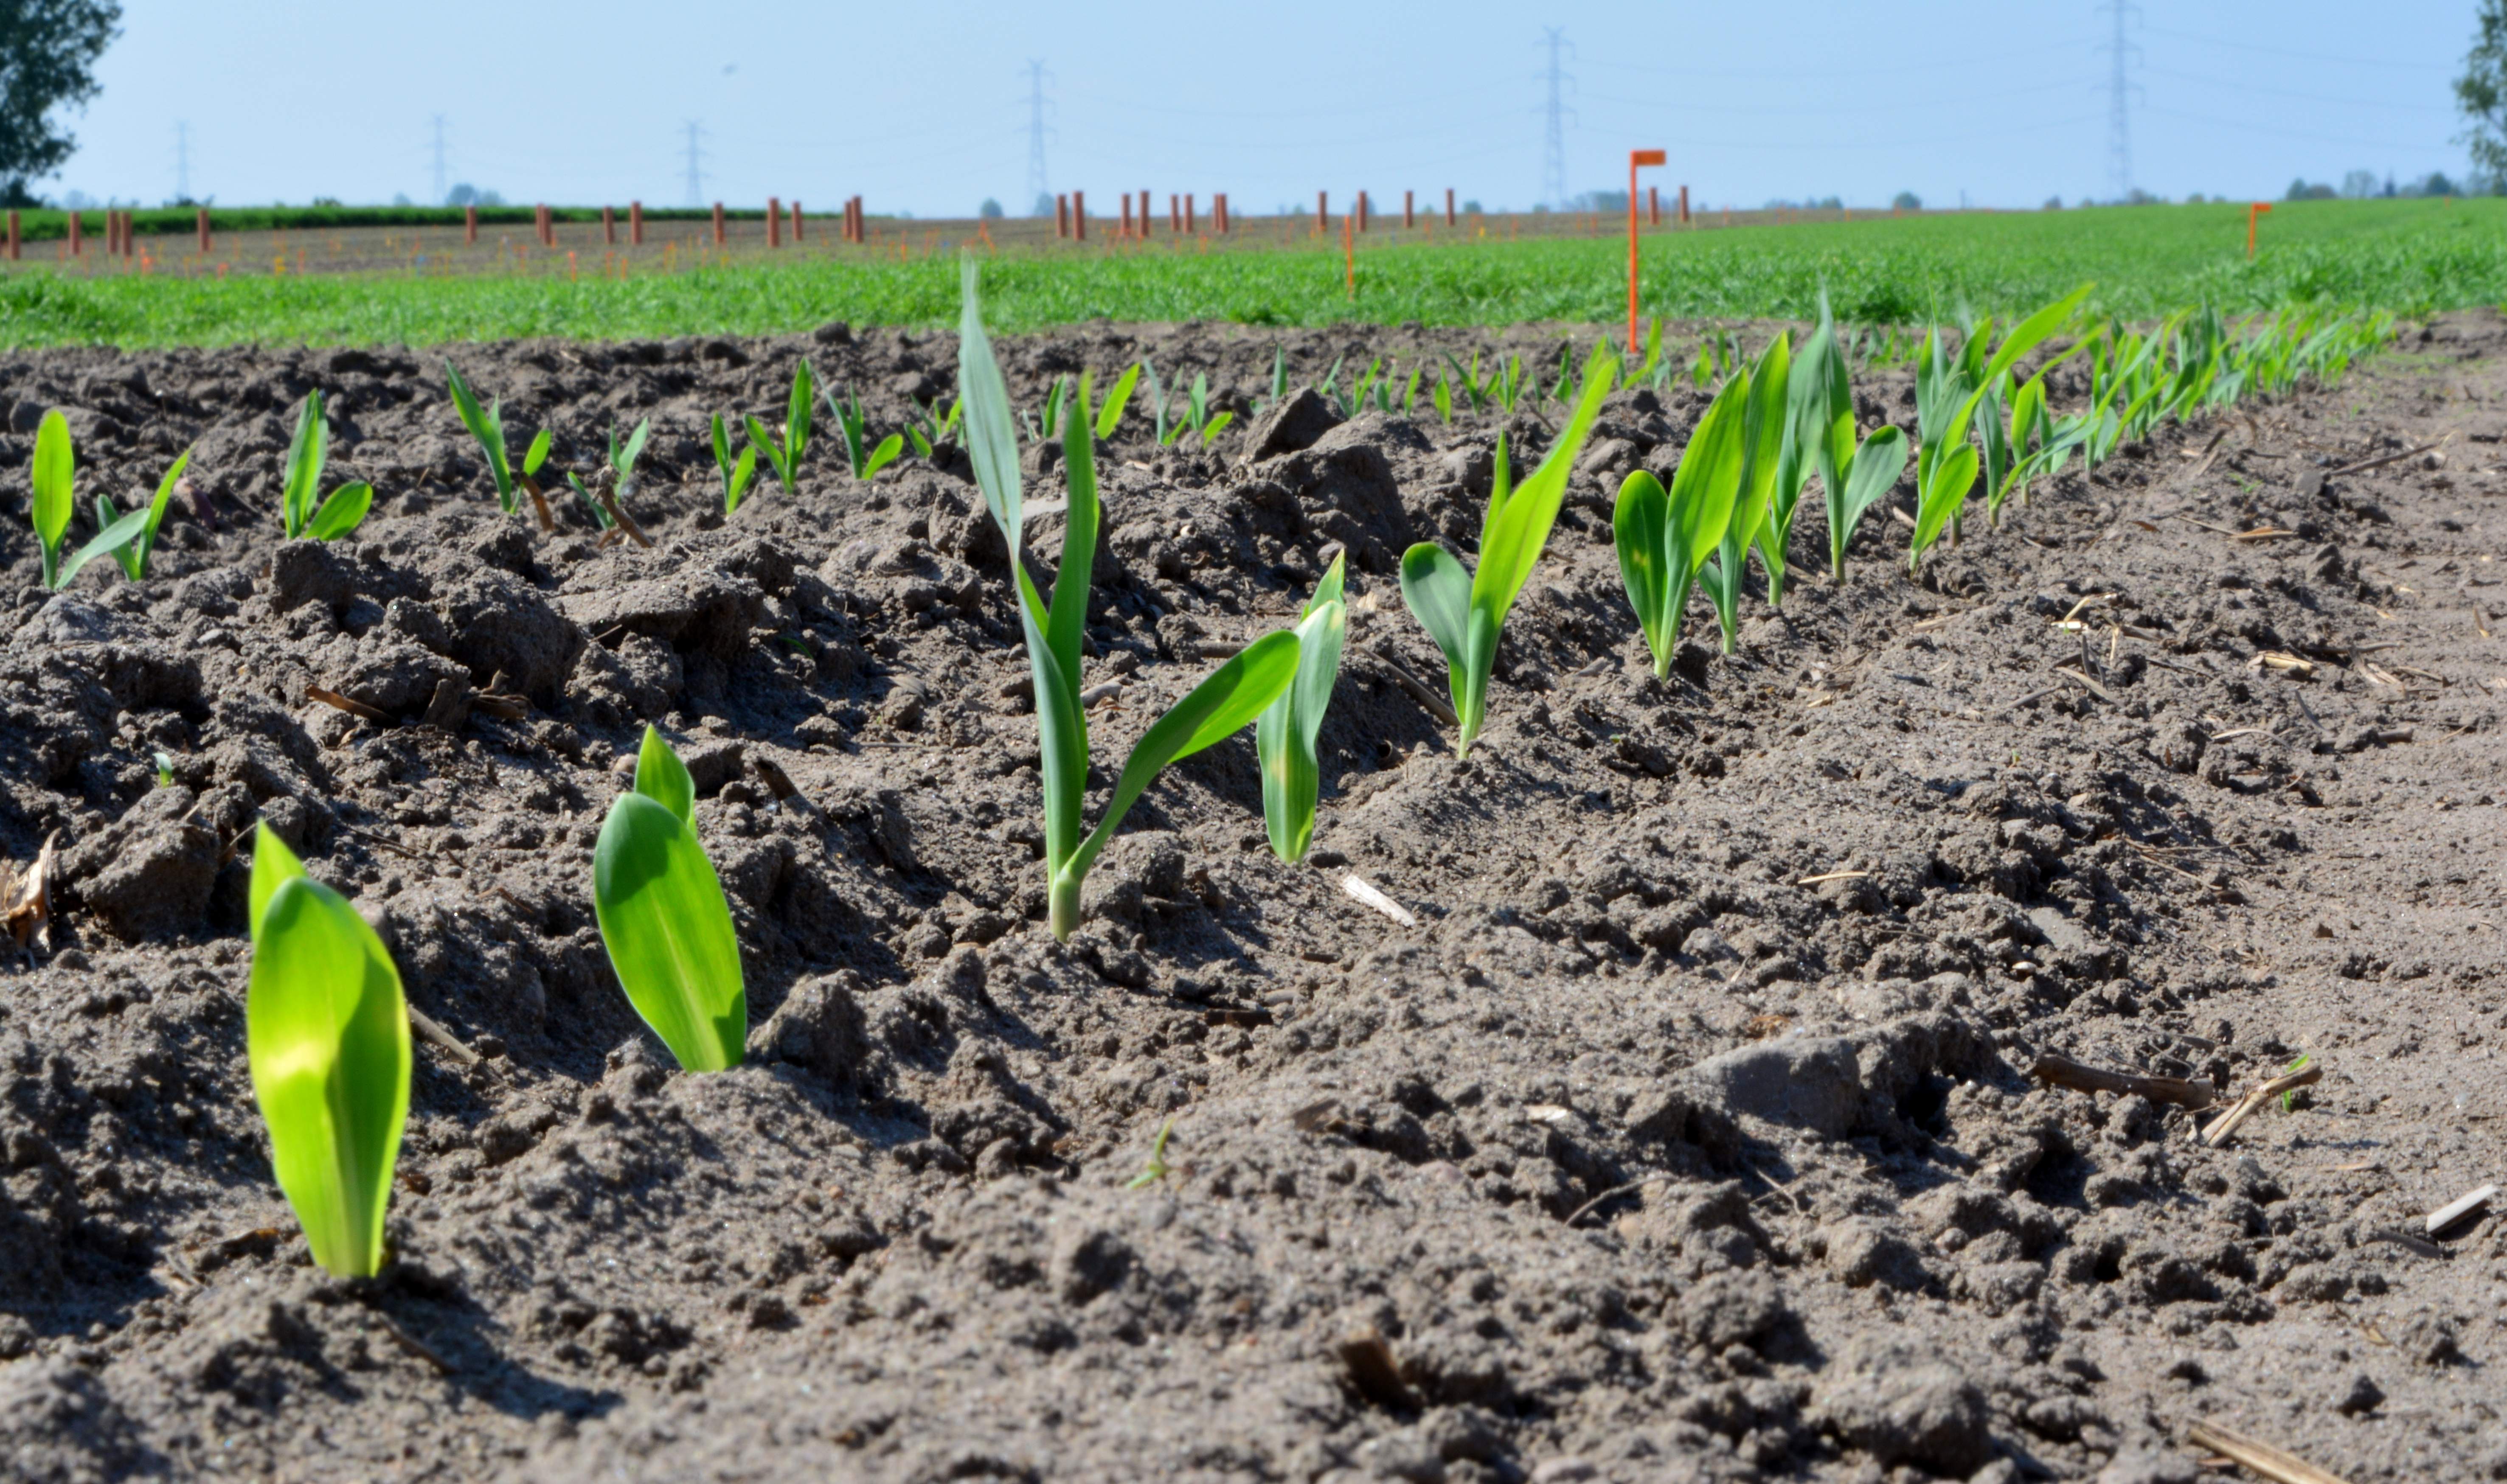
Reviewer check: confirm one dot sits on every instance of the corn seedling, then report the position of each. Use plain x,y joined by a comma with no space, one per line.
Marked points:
851,425
1279,383
622,460
1763,434
927,428
1443,398
165,771
1820,427
1474,390
1285,734
1815,383
1230,697
134,555
664,917
55,474
1664,537
1156,1169
1465,614
735,474
1410,392
326,1037
347,506
785,458
1111,416
1566,377
487,426
1947,463
1506,385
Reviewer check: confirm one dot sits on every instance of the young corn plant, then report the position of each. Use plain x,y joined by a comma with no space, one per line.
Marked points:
1762,437
1111,416
134,555
663,918
736,473
1230,697
1665,536
622,460
55,474
487,426
1946,464
864,460
1285,734
784,457
1464,614
1197,417
1814,383
343,510
326,1038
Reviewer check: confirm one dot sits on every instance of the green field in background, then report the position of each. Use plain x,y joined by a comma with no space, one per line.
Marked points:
2410,256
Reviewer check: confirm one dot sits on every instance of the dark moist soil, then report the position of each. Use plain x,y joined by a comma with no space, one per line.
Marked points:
1644,1155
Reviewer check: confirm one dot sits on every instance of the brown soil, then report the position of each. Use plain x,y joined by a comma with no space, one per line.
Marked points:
1637,1158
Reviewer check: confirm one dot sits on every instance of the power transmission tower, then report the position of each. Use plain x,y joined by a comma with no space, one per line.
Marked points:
442,190
2120,91
696,164
1039,193
1553,156
182,161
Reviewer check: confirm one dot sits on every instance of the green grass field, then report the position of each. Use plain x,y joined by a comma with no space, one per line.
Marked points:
2410,256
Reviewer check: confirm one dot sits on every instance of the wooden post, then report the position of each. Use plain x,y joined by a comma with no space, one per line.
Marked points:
1189,226
129,234
202,221
1061,215
1449,205
796,224
1409,218
471,226
1684,205
774,221
1145,216
77,245
1636,158
608,227
1127,215
13,235
1322,212
636,223
1218,213
717,224
1654,207
1079,216
1361,211
1175,214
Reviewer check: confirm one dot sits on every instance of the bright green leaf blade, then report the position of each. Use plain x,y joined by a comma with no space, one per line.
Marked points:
326,1035
991,432
1952,479
1328,591
669,932
146,545
1061,734
1217,425
884,454
741,476
273,864
1511,546
538,453
113,538
1219,708
55,474
1111,416
1068,617
1439,593
1285,734
304,455
1874,473
625,458
1640,527
1762,447
1708,480
662,777
342,513
797,412
721,445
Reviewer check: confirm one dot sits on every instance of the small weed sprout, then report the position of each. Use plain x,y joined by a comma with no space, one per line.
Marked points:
1156,1169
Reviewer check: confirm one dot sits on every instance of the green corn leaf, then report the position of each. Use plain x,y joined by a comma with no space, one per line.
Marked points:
742,473
115,537
1952,478
1215,709
1278,373
1640,527
489,428
1439,593
884,455
624,459
342,513
304,455
538,453
326,1033
1444,399
796,416
1111,416
661,776
1500,482
54,474
762,443
134,557
667,929
984,400
1200,400
1214,426
922,442
1513,545
721,445
1286,733
1158,399
1871,474
1708,479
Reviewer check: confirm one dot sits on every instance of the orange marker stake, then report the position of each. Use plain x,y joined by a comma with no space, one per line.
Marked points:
2253,211
1636,158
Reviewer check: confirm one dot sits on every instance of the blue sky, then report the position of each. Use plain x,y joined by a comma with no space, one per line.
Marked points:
923,108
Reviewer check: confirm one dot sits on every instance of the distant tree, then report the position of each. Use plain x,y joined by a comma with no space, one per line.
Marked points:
47,49
2359,185
468,194
2482,92
2054,203
1467,207
1907,200
2300,190
990,210
2437,184
1043,204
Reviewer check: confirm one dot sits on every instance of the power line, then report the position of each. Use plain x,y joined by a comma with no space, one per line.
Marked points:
2232,85
1553,154
2120,55
1037,189
696,164
2314,56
